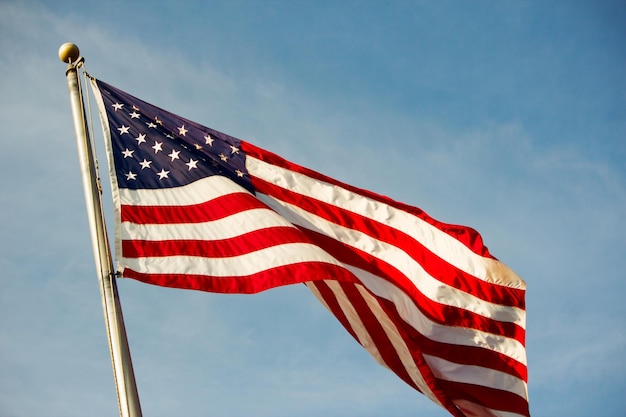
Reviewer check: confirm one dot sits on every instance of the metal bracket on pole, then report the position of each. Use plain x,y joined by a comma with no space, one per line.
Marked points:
128,398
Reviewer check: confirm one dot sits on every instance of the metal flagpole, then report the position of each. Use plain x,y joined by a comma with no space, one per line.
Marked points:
128,398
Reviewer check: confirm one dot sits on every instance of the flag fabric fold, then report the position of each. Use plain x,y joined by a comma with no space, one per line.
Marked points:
199,209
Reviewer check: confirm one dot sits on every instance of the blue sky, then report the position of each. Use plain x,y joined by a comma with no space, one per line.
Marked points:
507,116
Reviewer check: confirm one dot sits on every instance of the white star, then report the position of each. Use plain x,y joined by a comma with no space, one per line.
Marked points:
141,138
157,147
223,157
234,149
123,129
145,164
198,147
134,115
131,176
117,106
156,119
127,153
208,140
151,125
135,108
163,174
169,136
182,131
174,155
239,173
192,163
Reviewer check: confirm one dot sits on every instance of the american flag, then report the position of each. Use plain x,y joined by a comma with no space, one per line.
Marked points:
199,209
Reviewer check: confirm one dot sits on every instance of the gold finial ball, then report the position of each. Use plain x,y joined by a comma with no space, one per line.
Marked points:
68,53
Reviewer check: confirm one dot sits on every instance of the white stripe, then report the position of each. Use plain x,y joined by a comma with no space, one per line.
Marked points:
228,227
438,242
247,264
477,375
197,192
429,286
434,331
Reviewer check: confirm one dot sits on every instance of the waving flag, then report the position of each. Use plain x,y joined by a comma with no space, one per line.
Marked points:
198,209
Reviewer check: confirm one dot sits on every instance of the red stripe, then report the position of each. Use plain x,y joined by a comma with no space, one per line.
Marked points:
215,209
495,399
239,245
461,354
433,264
246,284
466,235
472,356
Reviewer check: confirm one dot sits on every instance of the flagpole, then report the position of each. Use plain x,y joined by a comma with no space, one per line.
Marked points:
128,398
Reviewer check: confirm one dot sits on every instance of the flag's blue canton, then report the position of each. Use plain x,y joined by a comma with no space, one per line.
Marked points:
153,148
